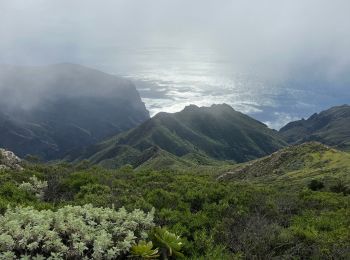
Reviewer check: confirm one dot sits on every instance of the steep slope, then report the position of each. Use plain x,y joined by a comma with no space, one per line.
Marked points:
197,134
50,110
19,136
296,166
331,127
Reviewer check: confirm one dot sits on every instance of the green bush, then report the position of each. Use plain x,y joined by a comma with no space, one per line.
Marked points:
96,194
316,185
340,188
169,243
34,187
144,250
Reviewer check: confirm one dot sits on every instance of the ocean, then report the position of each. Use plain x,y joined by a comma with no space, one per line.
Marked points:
170,78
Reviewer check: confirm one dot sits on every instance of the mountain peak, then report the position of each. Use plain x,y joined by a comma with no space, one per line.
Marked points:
191,107
222,106
216,107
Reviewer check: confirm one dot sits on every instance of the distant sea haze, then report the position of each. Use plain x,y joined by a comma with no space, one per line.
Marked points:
168,79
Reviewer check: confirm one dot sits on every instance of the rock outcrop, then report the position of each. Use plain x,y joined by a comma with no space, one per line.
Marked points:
8,160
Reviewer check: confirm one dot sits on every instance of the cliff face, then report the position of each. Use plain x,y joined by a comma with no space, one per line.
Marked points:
49,111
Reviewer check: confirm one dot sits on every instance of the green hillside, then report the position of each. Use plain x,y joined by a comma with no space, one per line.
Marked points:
295,167
330,127
196,134
292,204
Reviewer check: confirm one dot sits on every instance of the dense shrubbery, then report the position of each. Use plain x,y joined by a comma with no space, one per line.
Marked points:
71,232
216,220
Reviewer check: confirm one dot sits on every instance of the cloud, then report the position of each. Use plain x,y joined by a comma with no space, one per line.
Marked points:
275,38
290,44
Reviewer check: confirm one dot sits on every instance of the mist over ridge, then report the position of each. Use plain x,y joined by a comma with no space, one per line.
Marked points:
264,58
52,110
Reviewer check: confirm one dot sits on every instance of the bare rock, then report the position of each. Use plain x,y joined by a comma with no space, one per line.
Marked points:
9,161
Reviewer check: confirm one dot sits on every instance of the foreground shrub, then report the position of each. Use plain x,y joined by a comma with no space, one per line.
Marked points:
71,232
144,250
169,243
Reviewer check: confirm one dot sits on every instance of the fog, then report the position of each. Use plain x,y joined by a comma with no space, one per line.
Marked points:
201,46
26,87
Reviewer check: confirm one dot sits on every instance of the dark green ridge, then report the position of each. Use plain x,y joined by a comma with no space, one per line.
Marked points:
196,134
331,127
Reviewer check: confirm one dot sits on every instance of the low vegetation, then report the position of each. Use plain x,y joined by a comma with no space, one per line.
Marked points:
171,214
71,232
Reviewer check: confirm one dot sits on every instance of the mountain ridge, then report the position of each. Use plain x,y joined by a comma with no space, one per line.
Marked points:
63,107
330,127
217,132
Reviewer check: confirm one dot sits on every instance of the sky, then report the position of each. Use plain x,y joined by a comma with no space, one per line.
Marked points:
272,48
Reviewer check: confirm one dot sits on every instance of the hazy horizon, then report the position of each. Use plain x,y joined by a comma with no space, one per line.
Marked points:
277,61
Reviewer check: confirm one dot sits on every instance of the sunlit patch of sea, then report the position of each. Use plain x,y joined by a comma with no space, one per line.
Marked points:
169,79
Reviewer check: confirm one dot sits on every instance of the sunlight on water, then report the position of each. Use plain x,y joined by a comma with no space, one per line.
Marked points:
169,79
